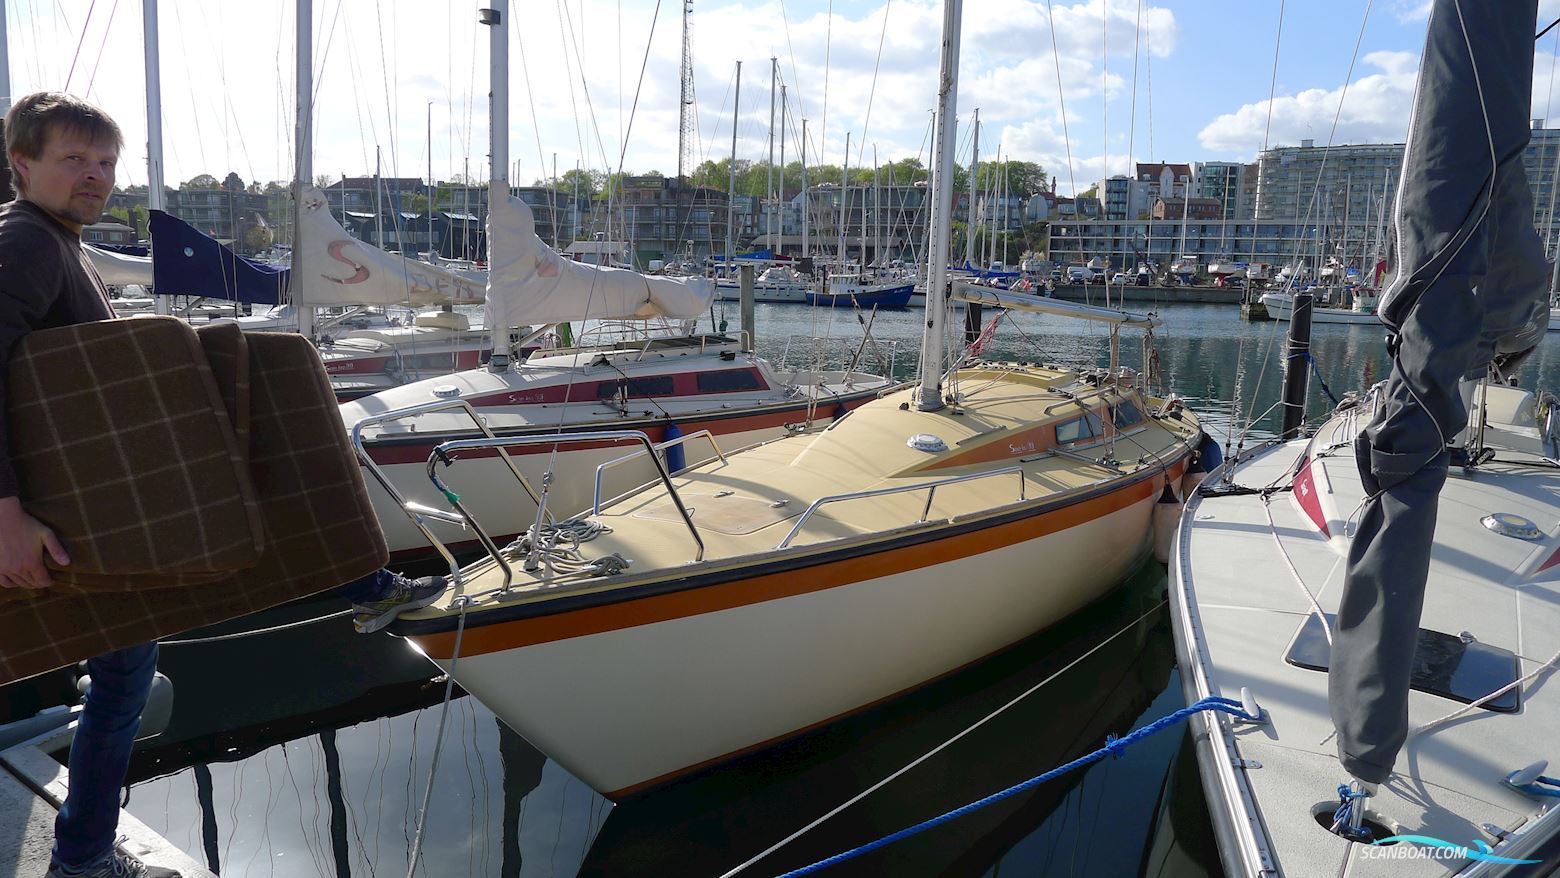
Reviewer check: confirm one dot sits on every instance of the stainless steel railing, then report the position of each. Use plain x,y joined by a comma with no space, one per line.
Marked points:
929,487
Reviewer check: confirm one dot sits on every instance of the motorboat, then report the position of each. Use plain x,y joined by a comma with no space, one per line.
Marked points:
1479,714
1280,305
860,291
777,284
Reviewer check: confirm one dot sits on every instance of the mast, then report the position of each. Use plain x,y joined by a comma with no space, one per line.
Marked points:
806,198
379,203
304,155
498,144
154,146
930,395
780,205
991,233
844,199
969,232
5,64
731,186
769,172
432,192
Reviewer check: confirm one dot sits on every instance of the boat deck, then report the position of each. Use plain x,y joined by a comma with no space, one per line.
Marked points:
1248,608
745,506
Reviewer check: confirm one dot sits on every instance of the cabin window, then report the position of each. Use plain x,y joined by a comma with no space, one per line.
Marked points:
1127,414
728,381
606,390
1078,429
656,385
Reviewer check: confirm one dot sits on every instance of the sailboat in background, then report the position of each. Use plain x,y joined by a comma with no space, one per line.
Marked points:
766,591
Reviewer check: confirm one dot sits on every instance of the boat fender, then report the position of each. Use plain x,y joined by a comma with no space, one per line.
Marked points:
1167,517
675,459
1205,460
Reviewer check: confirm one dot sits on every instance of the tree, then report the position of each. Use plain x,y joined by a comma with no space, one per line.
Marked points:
257,238
417,203
324,181
141,219
233,182
201,181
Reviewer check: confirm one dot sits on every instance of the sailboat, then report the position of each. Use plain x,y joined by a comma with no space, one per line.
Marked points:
765,592
1395,725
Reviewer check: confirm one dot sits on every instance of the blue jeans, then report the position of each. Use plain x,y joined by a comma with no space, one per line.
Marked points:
100,754
370,588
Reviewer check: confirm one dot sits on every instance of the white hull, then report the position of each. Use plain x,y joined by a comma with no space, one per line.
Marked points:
1281,305
699,688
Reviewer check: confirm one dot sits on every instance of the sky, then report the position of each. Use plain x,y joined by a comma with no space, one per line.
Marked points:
1140,80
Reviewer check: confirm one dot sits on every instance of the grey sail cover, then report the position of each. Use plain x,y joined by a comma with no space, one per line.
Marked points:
1469,286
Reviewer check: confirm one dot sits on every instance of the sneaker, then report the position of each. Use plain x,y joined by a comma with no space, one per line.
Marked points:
119,864
403,595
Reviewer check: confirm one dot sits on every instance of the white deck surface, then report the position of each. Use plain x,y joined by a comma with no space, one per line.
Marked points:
1448,781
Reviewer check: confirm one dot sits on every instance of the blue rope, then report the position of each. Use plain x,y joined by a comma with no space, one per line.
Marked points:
1306,355
1533,789
1347,799
1113,747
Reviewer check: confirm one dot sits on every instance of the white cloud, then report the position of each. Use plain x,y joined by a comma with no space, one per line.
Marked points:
1375,110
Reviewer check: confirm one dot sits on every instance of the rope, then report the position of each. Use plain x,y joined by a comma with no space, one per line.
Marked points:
1113,747
438,739
940,747
258,631
1345,822
556,547
1306,355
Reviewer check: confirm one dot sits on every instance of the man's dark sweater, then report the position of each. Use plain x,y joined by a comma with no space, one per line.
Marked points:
46,280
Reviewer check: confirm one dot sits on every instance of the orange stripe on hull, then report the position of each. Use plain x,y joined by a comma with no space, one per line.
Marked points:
480,639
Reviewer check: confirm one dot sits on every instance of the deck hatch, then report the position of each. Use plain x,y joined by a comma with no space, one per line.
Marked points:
1444,664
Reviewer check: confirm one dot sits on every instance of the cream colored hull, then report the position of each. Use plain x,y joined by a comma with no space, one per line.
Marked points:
691,690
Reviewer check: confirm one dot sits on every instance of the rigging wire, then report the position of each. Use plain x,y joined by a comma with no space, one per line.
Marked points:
76,57
872,91
106,30
1061,101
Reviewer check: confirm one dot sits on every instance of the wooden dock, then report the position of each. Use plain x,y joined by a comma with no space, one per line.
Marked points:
32,786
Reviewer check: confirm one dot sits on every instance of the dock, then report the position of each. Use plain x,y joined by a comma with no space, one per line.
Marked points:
32,786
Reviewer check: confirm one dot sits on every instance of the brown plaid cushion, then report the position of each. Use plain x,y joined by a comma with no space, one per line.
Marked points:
124,445
319,530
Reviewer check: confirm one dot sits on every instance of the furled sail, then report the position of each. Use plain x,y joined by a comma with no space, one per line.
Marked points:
530,283
338,269
191,263
120,269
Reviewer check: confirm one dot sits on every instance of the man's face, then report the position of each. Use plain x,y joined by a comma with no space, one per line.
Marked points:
71,179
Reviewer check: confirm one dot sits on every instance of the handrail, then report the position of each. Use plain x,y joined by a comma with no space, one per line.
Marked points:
929,487
416,511
659,446
444,450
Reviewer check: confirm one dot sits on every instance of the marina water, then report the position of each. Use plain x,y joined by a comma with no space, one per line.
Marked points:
327,776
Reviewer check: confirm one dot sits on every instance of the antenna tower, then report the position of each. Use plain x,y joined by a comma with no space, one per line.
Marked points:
686,135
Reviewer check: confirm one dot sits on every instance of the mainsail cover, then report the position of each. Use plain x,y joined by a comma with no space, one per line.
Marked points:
120,269
531,283
337,269
189,263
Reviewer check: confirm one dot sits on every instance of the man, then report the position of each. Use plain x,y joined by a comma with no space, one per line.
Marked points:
63,154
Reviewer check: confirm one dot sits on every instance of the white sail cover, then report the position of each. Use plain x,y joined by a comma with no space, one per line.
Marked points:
120,269
337,269
530,283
